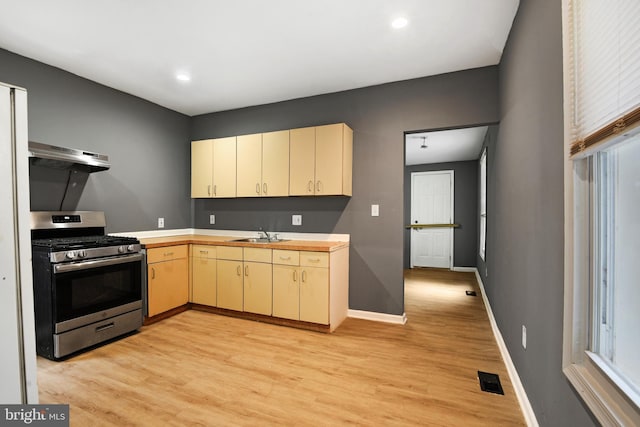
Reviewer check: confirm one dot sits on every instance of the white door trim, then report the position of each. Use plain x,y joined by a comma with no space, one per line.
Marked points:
452,177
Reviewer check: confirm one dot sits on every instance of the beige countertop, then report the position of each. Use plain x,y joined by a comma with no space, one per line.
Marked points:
198,239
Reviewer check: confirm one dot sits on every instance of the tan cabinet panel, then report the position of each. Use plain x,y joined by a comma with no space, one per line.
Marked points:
229,284
168,285
257,288
314,295
314,259
257,255
286,257
302,161
224,167
167,253
328,179
229,252
275,164
203,279
249,172
202,168
286,292
203,251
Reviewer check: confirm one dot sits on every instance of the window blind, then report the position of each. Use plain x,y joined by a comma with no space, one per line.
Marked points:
605,71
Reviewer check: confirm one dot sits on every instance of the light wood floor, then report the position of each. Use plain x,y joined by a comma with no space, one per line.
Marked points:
203,369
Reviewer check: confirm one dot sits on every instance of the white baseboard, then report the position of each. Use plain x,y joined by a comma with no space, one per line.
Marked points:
378,317
521,394
465,269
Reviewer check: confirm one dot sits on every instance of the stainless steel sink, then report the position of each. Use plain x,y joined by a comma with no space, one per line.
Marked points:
258,240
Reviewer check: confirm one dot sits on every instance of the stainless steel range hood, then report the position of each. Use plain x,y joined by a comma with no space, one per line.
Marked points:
57,175
67,158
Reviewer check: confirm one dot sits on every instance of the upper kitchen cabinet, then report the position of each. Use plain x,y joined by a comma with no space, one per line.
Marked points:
213,167
263,165
321,160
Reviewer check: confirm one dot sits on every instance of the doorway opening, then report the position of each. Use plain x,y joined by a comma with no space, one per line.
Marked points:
438,152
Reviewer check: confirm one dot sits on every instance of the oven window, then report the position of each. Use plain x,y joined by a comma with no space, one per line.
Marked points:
92,290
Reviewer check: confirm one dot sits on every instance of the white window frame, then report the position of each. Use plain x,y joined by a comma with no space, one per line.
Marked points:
591,377
483,205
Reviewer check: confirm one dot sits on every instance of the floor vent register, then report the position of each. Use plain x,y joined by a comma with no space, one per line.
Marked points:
490,382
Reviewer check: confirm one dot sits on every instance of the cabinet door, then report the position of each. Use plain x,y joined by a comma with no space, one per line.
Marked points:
168,285
229,283
257,288
314,295
329,159
249,173
204,281
302,161
224,167
286,292
202,168
275,164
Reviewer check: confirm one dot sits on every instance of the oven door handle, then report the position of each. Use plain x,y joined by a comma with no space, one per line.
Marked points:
77,266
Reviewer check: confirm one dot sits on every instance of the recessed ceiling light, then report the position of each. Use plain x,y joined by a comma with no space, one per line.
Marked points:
399,22
183,77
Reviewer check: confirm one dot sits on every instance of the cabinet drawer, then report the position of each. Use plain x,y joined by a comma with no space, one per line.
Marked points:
314,259
203,251
229,252
257,255
167,253
286,257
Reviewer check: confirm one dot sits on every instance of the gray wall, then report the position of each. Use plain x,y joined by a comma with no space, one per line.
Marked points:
465,207
525,212
147,145
379,116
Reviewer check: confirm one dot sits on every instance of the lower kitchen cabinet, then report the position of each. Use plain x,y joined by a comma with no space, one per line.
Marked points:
257,288
229,278
314,295
286,292
203,275
168,278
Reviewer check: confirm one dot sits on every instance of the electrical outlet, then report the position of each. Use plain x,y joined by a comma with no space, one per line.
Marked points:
296,219
524,337
212,219
375,210
160,222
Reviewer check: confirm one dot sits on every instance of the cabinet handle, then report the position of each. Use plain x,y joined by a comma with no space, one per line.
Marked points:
239,271
314,259
209,190
310,186
215,190
246,270
285,258
304,276
257,188
264,188
318,187
295,275
168,254
204,252
153,273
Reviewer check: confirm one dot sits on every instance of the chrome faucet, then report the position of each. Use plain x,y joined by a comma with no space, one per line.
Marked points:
266,235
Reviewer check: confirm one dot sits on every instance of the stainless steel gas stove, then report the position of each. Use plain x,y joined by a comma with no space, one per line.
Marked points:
87,285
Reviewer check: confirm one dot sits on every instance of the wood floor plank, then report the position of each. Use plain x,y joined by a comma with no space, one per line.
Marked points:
198,368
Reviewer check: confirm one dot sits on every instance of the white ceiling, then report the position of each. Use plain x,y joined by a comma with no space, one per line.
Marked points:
250,52
454,145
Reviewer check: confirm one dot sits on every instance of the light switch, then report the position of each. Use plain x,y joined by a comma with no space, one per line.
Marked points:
212,219
375,210
296,219
160,222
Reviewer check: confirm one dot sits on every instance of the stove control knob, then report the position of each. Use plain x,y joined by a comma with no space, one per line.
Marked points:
122,249
130,248
81,254
71,255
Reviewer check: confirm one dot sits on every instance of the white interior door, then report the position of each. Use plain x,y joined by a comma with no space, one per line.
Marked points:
432,203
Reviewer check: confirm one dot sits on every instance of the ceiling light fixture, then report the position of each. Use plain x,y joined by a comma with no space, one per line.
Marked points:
399,23
183,77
